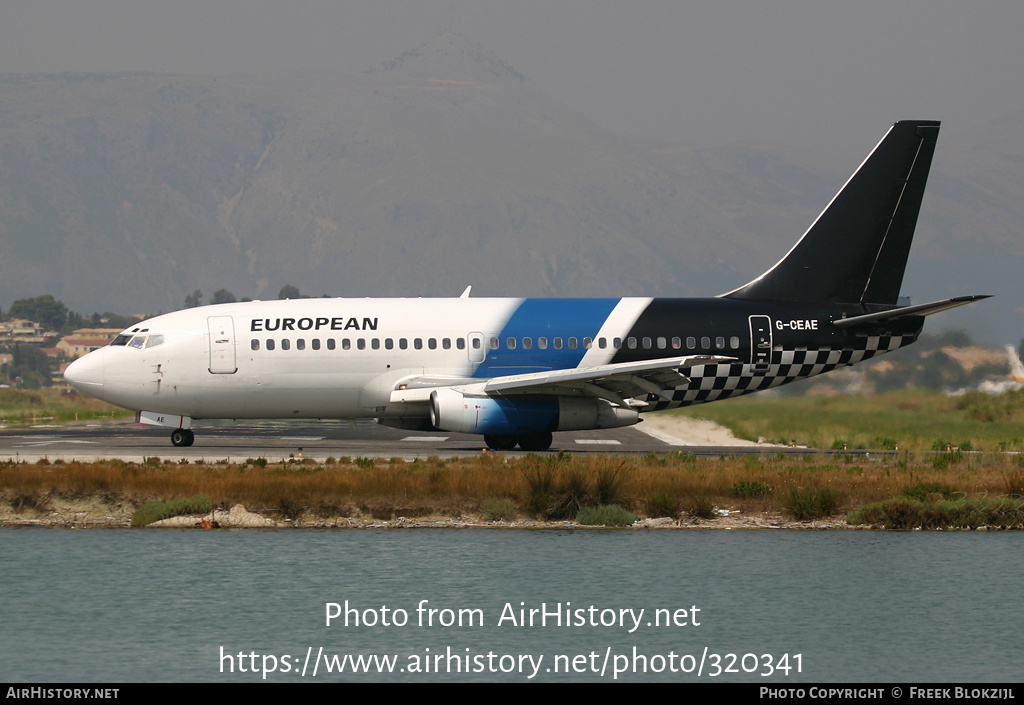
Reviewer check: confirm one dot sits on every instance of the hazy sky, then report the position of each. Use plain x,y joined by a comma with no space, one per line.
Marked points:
827,74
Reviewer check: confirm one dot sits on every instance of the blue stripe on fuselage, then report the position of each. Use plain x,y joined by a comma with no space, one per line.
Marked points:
547,318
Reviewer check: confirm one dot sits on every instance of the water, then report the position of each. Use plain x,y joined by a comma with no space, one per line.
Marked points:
166,605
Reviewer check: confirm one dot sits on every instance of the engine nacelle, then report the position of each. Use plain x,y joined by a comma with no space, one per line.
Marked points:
452,410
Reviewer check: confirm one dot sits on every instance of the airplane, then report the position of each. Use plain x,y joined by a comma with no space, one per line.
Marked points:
514,370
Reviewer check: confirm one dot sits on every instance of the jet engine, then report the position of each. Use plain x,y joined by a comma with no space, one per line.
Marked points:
453,410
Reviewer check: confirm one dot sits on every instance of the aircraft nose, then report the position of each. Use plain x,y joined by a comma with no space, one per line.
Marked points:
86,373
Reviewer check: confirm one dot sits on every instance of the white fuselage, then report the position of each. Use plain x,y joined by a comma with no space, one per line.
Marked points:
322,358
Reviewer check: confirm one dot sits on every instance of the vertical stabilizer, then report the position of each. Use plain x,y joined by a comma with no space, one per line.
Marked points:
856,251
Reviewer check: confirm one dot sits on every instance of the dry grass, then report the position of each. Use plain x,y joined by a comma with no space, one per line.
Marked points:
910,419
468,486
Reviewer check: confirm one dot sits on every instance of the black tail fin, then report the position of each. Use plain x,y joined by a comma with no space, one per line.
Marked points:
856,251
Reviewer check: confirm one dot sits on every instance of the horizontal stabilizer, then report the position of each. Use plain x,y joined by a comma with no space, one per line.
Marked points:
918,310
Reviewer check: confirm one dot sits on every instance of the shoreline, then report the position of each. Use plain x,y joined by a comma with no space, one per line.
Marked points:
673,490
94,513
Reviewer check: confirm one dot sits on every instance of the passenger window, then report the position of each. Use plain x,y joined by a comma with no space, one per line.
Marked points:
476,343
705,343
676,343
316,343
617,343
631,343
254,344
403,344
662,343
361,343
542,343
527,343
602,343
460,343
510,343
557,343
389,344
446,343
330,343
691,342
375,343
285,344
720,343
270,343
417,343
432,343
494,343
300,344
734,342
647,343
346,344
588,343
573,343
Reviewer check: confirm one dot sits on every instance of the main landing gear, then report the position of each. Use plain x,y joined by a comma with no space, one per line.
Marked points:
530,442
182,437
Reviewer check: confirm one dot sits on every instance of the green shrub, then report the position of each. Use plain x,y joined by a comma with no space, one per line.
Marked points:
290,508
663,504
805,503
898,513
149,512
574,496
540,482
700,507
499,509
751,490
902,513
923,490
605,515
608,488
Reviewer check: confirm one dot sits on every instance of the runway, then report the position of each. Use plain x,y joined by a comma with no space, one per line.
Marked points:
319,440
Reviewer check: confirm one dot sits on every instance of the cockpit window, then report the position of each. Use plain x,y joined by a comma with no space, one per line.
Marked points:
138,341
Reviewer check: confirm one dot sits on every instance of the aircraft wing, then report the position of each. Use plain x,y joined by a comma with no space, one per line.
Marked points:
615,383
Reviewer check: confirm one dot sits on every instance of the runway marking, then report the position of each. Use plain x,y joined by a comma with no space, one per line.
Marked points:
664,437
425,438
302,438
598,442
50,443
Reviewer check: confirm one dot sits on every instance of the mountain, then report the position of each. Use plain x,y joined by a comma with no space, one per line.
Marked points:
442,168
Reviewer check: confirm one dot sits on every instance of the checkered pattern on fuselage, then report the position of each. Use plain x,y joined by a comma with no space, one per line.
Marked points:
711,382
